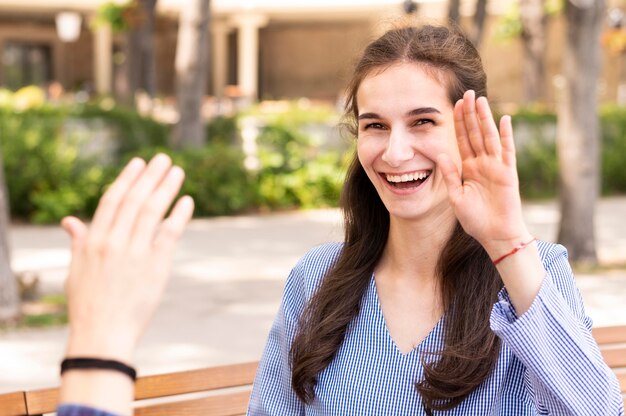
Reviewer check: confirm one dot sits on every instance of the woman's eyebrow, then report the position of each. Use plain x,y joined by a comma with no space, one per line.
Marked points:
412,113
365,116
422,110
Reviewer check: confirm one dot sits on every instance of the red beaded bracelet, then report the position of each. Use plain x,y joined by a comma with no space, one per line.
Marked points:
515,250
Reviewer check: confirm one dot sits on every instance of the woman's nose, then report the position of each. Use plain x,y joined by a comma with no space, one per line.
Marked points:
398,148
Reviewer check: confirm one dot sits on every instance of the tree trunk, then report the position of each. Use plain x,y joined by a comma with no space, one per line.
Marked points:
191,72
478,27
454,12
9,294
478,21
140,67
578,129
533,36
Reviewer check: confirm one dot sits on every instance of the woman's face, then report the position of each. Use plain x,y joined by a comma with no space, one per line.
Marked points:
405,121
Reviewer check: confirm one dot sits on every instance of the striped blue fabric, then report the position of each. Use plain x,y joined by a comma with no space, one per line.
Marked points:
80,410
549,363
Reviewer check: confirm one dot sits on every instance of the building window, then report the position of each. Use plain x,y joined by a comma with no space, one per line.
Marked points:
26,64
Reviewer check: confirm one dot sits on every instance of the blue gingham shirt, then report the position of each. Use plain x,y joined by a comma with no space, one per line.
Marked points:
549,364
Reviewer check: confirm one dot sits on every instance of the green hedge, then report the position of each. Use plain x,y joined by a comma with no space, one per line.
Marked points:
537,158
54,166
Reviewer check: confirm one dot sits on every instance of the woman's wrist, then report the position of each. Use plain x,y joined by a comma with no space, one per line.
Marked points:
105,346
499,248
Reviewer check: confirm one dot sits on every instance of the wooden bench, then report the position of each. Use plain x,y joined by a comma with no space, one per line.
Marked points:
225,390
612,342
214,391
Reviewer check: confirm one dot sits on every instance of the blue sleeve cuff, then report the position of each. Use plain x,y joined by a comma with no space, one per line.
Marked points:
81,410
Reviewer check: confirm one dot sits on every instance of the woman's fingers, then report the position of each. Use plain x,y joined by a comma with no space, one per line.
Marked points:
109,204
76,229
155,208
136,197
451,177
465,147
172,228
490,134
508,145
472,125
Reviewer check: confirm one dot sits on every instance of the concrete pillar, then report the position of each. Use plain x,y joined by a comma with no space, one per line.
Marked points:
248,26
220,31
103,62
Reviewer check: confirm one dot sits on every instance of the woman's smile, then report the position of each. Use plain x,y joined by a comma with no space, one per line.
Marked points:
408,181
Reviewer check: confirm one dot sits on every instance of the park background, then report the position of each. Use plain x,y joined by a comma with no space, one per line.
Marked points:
247,96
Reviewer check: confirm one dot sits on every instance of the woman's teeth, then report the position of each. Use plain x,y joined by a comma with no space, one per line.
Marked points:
407,177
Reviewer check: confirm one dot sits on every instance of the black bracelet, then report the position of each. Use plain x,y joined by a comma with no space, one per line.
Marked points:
97,363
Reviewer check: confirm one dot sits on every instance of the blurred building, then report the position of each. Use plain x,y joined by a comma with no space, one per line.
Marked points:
268,49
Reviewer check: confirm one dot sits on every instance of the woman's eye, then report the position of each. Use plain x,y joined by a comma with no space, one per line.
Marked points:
376,126
423,121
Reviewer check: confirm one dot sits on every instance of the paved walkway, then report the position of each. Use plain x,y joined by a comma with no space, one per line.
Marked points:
227,283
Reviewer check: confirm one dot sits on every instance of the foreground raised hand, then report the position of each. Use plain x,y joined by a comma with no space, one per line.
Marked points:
486,198
119,269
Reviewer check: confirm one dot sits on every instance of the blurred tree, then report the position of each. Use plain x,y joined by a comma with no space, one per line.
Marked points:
141,64
578,131
138,70
478,21
454,12
533,34
9,294
191,72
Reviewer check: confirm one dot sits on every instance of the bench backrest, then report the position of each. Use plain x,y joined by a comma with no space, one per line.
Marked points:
216,391
612,342
225,390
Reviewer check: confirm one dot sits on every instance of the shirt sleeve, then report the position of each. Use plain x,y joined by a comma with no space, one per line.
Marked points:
80,410
272,393
565,372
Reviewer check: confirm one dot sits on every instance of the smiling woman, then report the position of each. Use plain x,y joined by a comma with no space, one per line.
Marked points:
410,315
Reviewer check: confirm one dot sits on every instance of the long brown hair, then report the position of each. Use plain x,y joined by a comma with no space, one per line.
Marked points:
469,282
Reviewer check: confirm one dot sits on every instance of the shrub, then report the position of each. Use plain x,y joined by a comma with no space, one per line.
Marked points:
613,150
58,160
53,167
215,178
295,171
537,162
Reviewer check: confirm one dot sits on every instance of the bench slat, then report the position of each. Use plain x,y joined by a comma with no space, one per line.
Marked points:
42,401
621,377
205,379
231,404
614,356
12,404
162,385
609,334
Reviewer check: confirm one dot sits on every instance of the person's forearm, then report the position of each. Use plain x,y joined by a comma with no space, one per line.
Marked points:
522,272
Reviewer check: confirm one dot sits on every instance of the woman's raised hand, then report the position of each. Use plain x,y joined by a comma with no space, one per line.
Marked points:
121,262
486,195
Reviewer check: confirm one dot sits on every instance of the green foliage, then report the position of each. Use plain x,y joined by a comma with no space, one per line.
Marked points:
537,156
113,14
59,160
613,150
509,26
50,166
215,177
537,164
295,171
222,129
